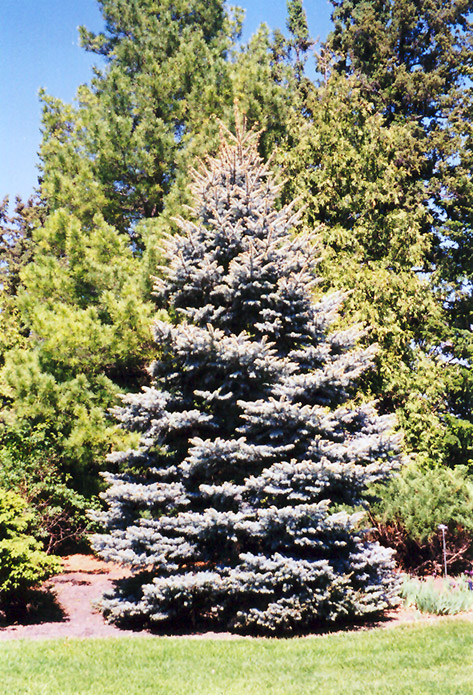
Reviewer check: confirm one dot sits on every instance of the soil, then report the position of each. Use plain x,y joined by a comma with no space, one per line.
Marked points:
64,607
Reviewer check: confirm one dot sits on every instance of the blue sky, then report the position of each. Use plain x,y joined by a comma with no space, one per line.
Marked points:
39,48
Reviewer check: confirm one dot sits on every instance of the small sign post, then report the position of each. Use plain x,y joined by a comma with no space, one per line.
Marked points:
443,528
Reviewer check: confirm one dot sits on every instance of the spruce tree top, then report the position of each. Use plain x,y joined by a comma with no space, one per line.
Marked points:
239,267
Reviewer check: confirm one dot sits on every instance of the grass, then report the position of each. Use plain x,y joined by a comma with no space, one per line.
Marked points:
408,660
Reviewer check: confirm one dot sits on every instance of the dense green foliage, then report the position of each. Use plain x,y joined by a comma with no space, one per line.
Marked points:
23,563
421,500
164,76
368,214
379,150
409,509
85,325
426,659
412,63
426,45
402,224
29,462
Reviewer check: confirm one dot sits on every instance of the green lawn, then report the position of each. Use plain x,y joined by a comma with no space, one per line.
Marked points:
410,660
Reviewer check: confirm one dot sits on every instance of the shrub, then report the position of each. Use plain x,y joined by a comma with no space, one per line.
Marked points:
23,563
29,466
408,510
438,596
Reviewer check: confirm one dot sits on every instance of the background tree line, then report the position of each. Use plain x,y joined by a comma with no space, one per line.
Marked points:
376,148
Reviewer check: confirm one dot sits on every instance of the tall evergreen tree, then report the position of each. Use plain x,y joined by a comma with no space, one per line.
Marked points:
358,179
166,70
413,62
300,40
237,508
412,55
81,339
165,73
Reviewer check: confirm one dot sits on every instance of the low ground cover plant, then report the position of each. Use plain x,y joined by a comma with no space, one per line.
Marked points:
447,596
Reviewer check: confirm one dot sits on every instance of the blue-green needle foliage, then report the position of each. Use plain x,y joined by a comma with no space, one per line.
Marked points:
236,510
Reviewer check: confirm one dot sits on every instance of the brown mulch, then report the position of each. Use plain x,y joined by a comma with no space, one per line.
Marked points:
67,609
66,606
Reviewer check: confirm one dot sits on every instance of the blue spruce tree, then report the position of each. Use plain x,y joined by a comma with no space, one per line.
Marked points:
236,511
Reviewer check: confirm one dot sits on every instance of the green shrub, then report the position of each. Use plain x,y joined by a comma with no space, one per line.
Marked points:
23,563
407,512
438,596
29,466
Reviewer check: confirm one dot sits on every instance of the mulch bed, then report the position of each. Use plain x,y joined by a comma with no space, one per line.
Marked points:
64,607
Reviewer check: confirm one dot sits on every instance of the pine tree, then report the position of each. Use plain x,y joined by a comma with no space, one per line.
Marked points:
82,339
163,73
411,54
237,508
166,70
300,40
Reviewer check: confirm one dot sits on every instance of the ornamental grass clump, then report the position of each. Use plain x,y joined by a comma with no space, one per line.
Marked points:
237,509
438,596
